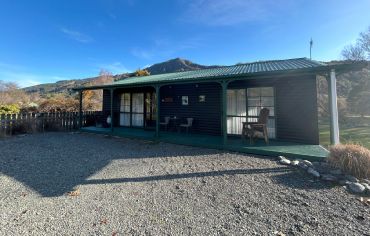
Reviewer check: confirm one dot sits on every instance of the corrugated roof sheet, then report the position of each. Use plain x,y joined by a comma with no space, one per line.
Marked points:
227,71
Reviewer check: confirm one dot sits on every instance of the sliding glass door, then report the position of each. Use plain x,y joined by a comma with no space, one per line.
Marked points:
258,98
132,109
236,110
125,110
245,105
137,109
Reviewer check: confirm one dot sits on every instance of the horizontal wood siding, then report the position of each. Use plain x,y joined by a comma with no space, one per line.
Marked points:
295,104
207,115
297,114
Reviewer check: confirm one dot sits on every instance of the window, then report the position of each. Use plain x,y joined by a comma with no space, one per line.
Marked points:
125,109
258,98
132,109
236,110
246,104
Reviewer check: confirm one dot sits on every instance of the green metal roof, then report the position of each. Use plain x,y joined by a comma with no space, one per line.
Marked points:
248,70
226,71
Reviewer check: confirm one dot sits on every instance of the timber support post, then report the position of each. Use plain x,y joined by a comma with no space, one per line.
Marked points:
158,102
80,95
333,104
224,112
111,109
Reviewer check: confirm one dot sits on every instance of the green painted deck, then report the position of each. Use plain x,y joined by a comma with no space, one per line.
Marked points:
275,148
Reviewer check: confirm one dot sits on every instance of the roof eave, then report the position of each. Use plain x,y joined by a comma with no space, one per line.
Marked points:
310,70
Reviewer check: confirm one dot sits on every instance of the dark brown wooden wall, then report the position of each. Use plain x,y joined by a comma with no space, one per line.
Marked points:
295,104
207,115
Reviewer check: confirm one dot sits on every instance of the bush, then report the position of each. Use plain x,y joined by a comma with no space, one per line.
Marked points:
351,159
9,109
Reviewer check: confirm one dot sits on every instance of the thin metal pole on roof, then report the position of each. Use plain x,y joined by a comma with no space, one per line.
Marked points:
311,44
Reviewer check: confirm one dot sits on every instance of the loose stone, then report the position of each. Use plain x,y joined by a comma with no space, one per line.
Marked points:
329,177
294,163
313,172
285,162
356,187
367,187
308,163
302,165
351,178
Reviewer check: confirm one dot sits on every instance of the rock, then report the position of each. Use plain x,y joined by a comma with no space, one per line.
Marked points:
308,163
324,165
351,178
284,162
302,165
329,177
356,187
336,172
294,163
344,182
313,172
367,187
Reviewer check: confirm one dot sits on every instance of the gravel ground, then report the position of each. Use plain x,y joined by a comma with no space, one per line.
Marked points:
132,187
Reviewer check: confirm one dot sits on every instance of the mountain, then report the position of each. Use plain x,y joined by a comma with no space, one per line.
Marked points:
65,86
175,65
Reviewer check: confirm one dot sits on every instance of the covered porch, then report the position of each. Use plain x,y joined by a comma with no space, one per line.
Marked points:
274,148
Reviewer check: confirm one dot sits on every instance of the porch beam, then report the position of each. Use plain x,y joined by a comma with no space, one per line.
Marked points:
333,104
80,95
224,110
111,110
158,101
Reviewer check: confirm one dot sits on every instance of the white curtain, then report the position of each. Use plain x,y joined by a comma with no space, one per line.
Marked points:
236,110
137,109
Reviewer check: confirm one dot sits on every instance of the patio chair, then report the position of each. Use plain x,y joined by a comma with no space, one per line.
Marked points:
188,125
166,122
250,128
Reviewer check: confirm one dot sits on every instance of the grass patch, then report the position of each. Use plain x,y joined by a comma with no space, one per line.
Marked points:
348,135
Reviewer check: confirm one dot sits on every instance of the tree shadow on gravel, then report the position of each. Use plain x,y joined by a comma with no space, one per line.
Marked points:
186,175
297,179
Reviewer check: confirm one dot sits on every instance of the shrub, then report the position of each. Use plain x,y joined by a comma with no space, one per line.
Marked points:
9,109
351,159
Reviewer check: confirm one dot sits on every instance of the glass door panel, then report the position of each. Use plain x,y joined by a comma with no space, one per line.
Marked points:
258,98
125,109
236,110
137,109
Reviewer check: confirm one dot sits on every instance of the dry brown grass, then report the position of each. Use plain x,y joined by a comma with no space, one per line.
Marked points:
351,158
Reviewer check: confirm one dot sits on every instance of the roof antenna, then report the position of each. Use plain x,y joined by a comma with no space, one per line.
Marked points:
311,43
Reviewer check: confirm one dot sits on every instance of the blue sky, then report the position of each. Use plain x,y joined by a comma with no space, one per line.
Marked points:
46,41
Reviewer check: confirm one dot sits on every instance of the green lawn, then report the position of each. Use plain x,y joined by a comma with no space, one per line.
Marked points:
358,135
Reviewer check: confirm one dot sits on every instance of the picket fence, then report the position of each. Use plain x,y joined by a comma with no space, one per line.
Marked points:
40,122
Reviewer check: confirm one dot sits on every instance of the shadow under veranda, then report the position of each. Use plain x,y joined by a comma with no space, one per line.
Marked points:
54,163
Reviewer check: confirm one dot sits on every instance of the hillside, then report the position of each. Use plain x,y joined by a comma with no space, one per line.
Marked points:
65,86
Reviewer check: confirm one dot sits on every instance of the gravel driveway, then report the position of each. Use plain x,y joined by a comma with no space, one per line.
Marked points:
132,187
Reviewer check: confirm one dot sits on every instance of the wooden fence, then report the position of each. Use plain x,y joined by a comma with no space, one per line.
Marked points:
40,122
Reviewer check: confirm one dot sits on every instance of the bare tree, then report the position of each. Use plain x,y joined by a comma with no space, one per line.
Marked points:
354,53
10,94
359,51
